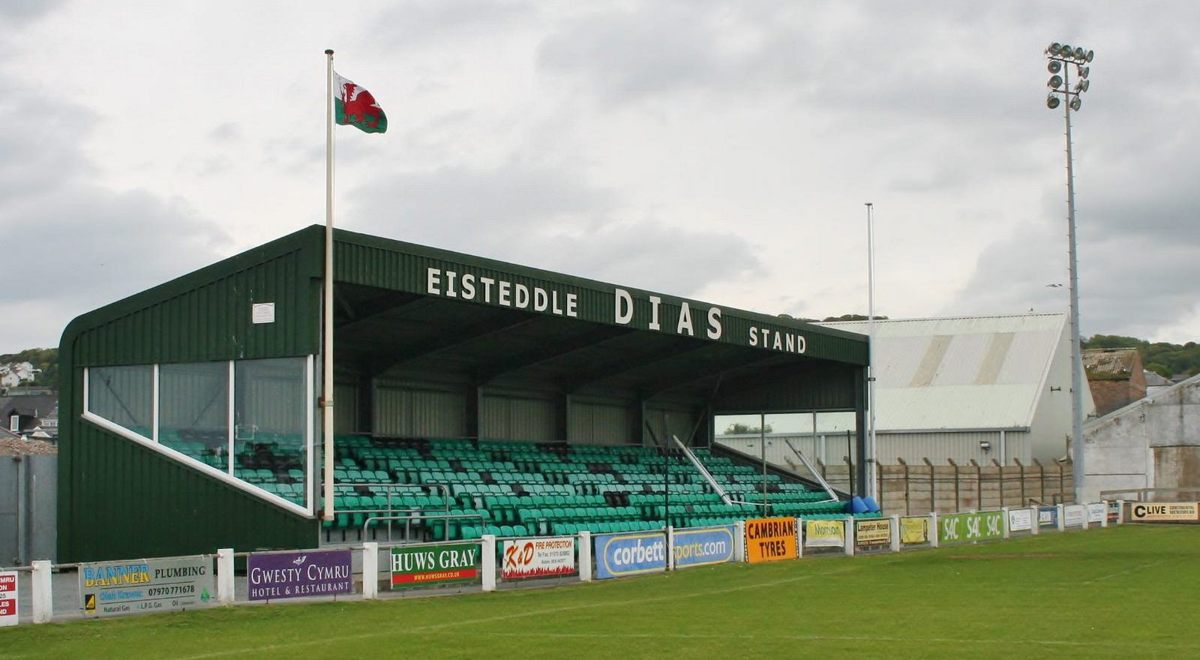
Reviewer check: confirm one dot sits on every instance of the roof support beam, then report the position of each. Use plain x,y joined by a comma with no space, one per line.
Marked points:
546,353
621,365
452,339
736,364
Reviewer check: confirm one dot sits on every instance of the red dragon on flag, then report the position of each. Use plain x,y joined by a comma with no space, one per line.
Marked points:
356,106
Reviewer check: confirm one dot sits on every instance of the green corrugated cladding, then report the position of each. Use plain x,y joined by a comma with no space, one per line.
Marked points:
384,263
118,499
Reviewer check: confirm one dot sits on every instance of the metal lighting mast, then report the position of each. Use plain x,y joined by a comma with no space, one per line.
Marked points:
1060,58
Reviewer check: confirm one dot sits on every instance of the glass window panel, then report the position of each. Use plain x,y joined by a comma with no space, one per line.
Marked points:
123,395
193,411
270,418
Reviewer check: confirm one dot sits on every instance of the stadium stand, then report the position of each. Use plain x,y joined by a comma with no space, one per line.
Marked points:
434,489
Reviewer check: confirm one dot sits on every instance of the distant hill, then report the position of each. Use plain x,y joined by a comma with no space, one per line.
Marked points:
1162,358
44,363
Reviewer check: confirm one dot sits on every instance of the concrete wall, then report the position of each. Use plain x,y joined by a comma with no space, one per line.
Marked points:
28,509
1154,443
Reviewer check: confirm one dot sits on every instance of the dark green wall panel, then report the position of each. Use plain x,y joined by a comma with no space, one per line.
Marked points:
129,501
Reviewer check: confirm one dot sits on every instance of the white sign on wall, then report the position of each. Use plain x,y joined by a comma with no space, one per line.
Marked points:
1073,515
1020,520
262,313
1095,512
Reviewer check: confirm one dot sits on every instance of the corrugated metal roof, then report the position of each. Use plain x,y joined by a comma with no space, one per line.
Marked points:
1111,363
982,372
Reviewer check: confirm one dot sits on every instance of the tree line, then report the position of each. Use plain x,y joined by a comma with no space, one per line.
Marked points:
1163,358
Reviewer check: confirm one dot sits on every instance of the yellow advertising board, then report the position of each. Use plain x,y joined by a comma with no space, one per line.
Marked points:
1164,512
873,532
914,530
770,539
824,533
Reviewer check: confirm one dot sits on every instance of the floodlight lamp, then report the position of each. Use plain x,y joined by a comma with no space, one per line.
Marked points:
1091,55
1080,53
1054,66
1055,48
1076,103
1082,85
1065,51
1052,101
1055,82
1083,71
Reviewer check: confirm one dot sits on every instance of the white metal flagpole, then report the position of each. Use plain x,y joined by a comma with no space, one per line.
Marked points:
327,348
872,467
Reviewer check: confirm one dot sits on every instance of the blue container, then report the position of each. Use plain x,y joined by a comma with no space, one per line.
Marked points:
856,505
872,505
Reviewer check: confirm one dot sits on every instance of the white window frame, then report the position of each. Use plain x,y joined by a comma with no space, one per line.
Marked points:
307,510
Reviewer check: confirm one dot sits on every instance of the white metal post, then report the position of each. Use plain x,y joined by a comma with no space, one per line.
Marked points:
1004,522
1120,512
670,548
370,568
1037,523
799,538
895,532
739,543
225,576
488,564
1062,522
933,529
1104,518
871,448
585,556
848,537
43,591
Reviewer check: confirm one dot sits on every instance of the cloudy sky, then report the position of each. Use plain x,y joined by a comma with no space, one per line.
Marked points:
722,151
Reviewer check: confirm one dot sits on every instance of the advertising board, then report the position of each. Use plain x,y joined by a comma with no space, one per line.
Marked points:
914,530
770,539
8,598
1048,516
704,546
618,555
1163,512
872,533
824,533
1095,512
1020,520
966,527
113,588
443,563
298,574
536,558
1074,515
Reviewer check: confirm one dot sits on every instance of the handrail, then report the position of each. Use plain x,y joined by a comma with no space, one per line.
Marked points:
703,471
820,479
408,521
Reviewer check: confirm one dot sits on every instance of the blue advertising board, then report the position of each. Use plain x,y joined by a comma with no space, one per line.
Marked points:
703,546
1048,516
618,555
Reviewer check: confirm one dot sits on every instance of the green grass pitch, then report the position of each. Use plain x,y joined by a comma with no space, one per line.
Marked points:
1117,593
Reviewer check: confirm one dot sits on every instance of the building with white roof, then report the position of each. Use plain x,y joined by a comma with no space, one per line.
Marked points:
981,387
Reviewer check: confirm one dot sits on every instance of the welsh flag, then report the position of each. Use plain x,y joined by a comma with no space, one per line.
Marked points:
356,106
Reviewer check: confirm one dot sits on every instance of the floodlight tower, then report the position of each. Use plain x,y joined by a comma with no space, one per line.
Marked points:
1060,58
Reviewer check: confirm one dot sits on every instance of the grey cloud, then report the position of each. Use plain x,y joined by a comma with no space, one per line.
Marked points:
1128,285
18,12
418,22
543,217
87,246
